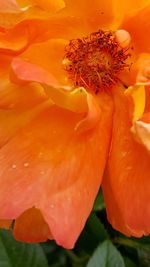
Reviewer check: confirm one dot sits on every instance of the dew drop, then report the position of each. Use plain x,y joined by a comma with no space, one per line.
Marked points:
14,166
26,164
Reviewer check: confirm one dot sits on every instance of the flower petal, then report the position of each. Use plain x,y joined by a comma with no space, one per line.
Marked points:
23,72
94,15
21,97
50,5
92,117
126,8
140,70
55,170
126,185
13,120
31,227
12,14
141,130
137,96
13,42
48,55
9,6
138,25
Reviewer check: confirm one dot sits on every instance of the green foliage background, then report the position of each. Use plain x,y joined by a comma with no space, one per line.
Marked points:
98,246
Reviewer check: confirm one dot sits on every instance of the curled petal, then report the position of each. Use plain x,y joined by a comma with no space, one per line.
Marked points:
141,130
137,101
92,117
24,72
48,55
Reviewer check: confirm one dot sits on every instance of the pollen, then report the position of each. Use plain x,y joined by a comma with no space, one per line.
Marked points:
96,61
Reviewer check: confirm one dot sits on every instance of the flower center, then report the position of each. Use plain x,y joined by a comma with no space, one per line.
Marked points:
95,62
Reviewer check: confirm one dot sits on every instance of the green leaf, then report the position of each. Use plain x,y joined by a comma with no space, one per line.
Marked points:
144,256
106,255
96,228
93,233
99,202
18,254
129,262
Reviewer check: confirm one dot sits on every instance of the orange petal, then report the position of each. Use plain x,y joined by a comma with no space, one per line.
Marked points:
38,25
92,117
9,6
55,170
13,42
4,65
137,97
31,227
126,185
94,15
141,130
24,3
14,119
12,14
50,5
127,7
21,97
140,70
147,104
138,25
23,72
48,55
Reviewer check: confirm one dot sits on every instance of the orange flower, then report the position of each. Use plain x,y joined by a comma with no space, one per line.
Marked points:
74,101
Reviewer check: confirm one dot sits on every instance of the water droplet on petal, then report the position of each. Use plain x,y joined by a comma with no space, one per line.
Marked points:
26,164
14,166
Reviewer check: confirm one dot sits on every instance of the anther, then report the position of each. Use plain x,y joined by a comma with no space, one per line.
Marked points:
94,62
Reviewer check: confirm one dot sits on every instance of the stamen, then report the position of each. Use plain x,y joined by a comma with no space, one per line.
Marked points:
94,62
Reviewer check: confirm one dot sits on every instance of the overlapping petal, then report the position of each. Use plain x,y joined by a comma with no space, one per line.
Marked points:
52,167
50,5
138,25
31,227
127,9
126,185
